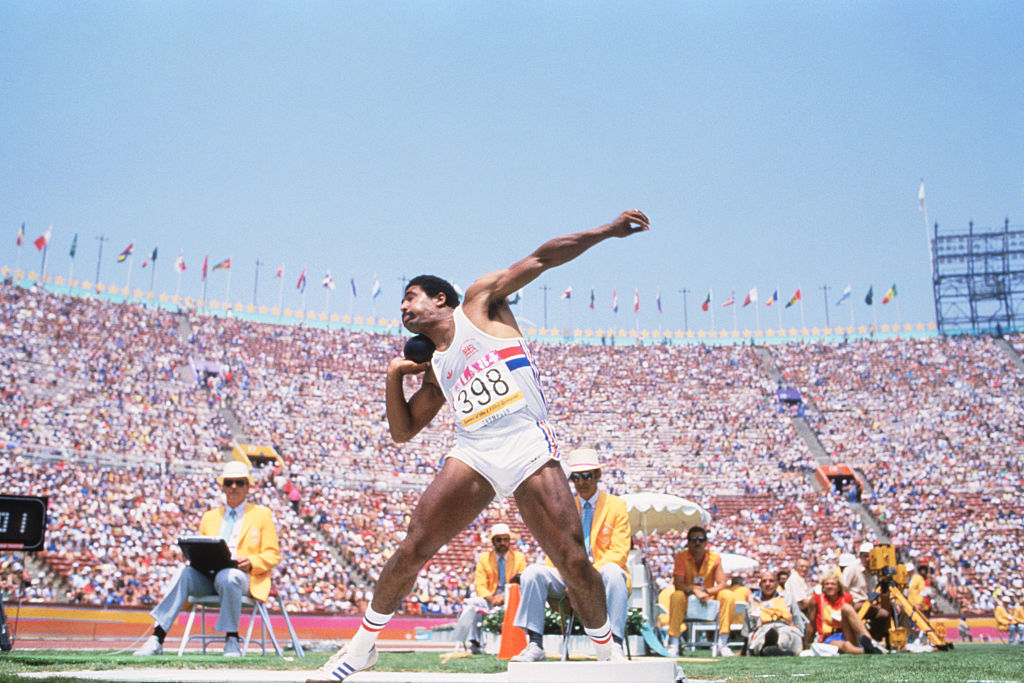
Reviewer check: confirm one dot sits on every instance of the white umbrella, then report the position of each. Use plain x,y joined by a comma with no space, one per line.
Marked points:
649,511
733,563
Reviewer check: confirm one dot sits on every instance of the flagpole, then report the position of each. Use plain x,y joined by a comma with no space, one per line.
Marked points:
128,278
42,267
778,307
227,291
757,316
280,295
177,287
803,325
152,273
351,293
17,258
711,306
923,207
303,292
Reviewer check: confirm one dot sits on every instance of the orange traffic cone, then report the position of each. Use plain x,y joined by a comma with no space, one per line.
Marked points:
513,638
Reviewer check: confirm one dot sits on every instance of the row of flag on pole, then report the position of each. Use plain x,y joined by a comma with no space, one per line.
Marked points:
328,282
567,294
43,241
750,298
798,296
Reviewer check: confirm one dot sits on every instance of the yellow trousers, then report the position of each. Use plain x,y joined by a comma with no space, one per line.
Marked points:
677,611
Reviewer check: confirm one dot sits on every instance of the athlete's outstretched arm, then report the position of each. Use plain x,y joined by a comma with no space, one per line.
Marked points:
495,286
407,418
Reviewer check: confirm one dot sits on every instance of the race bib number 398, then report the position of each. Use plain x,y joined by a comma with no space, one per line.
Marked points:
486,392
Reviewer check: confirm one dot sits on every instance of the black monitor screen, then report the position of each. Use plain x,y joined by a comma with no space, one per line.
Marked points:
22,522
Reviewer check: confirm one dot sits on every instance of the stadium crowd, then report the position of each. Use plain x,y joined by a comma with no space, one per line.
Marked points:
105,411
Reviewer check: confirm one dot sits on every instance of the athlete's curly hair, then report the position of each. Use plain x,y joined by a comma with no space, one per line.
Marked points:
432,285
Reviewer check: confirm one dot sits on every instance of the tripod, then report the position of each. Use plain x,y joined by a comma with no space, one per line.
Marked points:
892,579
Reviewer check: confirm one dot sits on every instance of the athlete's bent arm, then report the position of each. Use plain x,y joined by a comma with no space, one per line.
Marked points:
407,418
492,288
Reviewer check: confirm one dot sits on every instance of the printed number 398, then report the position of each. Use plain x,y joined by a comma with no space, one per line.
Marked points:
480,392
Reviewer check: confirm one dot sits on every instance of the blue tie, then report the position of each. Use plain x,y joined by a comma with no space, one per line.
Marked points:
588,519
501,574
228,525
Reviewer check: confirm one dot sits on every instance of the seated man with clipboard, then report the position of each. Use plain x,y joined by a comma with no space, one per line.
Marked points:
233,555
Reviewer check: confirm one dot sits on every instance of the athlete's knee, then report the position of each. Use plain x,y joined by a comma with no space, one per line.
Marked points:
577,568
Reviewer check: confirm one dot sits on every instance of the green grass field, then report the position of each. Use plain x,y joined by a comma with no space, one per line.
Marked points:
989,662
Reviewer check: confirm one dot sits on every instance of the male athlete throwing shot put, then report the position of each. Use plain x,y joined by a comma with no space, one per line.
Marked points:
504,446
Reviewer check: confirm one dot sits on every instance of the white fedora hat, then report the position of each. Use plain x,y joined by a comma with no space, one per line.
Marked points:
235,469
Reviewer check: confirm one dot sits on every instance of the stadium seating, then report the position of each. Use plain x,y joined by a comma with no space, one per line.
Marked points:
104,411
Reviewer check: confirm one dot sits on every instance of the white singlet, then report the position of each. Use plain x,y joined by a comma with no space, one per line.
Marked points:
493,386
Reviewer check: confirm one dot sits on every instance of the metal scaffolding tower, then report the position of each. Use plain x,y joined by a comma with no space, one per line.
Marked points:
978,280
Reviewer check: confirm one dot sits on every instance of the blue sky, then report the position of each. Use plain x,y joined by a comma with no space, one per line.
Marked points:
772,145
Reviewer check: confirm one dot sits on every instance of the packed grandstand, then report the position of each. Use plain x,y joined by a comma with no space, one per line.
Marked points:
121,414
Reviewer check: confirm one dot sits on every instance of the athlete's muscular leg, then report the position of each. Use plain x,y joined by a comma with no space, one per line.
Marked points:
547,507
453,500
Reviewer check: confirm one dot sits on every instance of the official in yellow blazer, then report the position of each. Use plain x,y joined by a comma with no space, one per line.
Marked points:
249,531
607,539
494,569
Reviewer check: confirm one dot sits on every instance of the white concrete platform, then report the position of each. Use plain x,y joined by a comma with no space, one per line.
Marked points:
636,671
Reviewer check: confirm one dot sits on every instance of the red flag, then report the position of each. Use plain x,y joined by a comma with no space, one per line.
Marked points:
21,234
179,263
707,303
43,240
636,300
731,300
205,259
280,271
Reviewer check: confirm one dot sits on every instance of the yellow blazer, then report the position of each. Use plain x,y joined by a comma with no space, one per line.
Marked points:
609,532
1003,618
486,577
257,542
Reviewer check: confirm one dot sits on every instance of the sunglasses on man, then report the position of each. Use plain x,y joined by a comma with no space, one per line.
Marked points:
585,476
231,483
697,539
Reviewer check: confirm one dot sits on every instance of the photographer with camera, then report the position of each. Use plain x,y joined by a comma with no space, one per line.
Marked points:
835,622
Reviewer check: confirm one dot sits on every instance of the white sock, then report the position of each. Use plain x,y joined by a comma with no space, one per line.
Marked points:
602,635
366,636
723,639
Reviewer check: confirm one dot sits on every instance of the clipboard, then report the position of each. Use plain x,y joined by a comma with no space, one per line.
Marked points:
208,554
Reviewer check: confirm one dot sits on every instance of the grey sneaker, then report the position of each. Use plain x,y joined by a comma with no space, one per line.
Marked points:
231,648
151,647
531,653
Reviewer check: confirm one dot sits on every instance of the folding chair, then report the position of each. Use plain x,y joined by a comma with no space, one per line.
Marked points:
259,608
702,618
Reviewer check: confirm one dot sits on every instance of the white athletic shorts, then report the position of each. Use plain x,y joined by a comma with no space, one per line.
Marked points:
507,460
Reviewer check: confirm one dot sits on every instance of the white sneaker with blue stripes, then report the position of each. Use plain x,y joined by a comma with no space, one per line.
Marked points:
341,665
